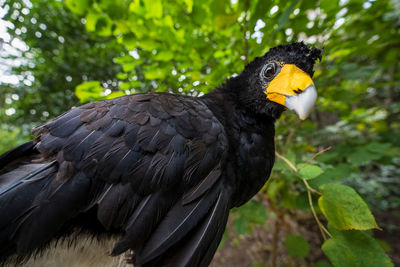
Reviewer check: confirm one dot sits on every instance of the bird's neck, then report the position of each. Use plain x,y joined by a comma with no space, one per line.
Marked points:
225,102
252,139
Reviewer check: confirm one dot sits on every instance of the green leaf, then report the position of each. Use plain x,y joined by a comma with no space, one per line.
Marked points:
362,155
378,147
115,94
115,8
104,26
321,263
344,208
148,44
91,20
129,66
77,6
284,18
225,20
154,73
99,23
337,173
328,5
251,213
355,249
122,76
164,55
189,5
310,172
296,245
240,225
154,8
136,8
89,91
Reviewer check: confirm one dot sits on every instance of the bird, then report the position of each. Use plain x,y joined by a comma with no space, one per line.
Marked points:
160,171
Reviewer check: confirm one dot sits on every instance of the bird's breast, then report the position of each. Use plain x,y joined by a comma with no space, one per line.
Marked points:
254,159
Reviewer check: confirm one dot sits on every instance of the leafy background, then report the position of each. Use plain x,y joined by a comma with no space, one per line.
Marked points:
58,54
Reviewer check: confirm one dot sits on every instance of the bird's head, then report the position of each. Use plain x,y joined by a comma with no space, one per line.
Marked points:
281,78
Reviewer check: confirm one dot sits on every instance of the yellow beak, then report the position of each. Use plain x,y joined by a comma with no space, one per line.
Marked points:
294,89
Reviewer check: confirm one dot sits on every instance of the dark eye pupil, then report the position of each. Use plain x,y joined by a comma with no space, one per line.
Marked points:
269,71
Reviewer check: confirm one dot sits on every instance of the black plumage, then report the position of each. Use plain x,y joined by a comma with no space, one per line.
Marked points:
159,170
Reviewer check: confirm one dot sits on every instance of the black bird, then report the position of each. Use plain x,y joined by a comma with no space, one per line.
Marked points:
160,170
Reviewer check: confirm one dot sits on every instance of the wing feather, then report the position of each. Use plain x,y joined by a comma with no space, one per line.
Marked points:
176,224
149,164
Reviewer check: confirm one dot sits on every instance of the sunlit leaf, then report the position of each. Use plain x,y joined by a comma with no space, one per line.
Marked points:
310,172
153,74
91,20
148,44
189,5
354,248
164,55
78,6
154,8
89,91
344,208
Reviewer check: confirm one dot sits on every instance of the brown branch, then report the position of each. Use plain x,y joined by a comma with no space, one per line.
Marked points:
313,157
287,161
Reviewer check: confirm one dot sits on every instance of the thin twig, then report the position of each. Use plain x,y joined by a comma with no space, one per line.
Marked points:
323,230
320,225
287,161
310,188
313,157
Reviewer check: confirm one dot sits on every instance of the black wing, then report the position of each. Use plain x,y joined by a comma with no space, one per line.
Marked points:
149,164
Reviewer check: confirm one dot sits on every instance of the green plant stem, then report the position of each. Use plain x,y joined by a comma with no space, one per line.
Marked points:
323,230
313,157
320,225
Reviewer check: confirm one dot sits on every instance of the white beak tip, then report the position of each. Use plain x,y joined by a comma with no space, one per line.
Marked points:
302,103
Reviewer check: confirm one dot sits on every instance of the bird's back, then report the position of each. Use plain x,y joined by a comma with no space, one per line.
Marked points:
148,167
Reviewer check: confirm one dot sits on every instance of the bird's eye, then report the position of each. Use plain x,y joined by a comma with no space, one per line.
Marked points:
270,70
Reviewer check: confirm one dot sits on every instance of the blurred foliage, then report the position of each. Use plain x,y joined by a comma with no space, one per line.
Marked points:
363,250
297,246
58,55
105,48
